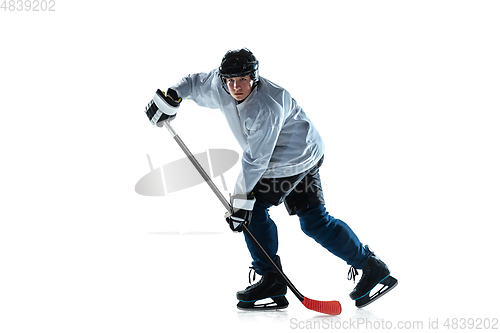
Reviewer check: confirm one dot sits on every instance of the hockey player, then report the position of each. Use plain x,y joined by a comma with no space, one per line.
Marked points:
282,154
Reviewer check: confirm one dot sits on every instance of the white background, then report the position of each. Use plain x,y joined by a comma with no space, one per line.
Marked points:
404,93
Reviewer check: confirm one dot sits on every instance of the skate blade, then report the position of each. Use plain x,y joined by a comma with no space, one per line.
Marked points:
277,303
388,284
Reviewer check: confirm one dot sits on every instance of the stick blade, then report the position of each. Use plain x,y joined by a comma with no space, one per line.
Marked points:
331,307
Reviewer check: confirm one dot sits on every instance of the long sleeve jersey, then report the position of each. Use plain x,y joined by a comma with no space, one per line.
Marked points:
277,137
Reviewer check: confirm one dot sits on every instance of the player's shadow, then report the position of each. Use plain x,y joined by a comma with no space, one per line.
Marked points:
273,316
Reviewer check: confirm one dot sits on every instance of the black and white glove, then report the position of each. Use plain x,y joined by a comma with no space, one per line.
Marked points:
241,211
163,107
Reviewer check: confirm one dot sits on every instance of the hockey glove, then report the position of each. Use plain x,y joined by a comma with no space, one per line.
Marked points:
163,107
241,211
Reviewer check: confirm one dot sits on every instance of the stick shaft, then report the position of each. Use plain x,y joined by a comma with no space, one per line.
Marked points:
198,167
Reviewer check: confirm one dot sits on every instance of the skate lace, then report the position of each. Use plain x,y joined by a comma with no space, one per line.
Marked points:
250,281
351,275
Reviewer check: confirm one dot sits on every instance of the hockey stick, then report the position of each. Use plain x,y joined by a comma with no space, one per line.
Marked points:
327,307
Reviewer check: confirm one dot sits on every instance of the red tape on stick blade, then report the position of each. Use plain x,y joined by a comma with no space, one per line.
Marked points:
331,307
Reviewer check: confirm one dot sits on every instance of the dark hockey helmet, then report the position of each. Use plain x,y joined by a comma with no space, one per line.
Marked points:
238,63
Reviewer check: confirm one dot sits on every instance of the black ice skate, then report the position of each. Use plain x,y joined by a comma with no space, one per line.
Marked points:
374,272
269,286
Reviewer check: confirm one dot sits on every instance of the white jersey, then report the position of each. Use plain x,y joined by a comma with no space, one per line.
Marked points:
277,137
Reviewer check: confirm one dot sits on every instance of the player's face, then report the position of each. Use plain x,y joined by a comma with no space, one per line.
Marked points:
240,87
